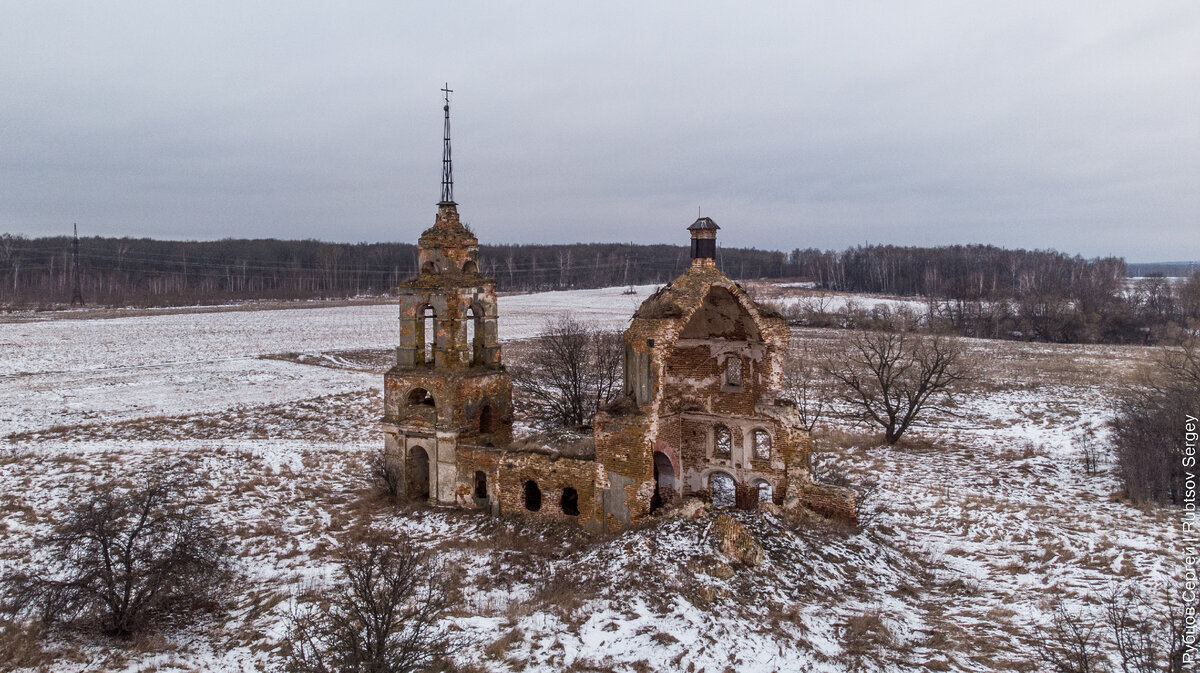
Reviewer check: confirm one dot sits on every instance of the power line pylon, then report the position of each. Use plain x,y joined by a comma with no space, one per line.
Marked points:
76,289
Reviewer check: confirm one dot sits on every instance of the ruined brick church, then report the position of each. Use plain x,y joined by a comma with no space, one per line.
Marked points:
700,414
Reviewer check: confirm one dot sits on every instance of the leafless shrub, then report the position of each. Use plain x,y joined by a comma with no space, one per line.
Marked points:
382,616
386,473
802,382
1181,615
865,637
1138,640
891,377
127,555
868,502
1071,643
571,371
1148,429
1091,452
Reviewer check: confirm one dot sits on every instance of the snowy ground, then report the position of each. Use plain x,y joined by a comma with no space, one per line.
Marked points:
976,528
790,298
62,372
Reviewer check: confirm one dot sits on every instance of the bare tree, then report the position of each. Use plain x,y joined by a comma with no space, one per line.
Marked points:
802,383
386,473
1071,643
382,616
891,377
1137,636
128,554
573,369
1147,428
1180,636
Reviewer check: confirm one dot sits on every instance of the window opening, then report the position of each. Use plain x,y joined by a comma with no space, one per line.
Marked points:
733,371
762,445
724,489
723,441
533,496
570,502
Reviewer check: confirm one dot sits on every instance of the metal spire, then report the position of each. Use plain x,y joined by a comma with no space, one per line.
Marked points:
447,170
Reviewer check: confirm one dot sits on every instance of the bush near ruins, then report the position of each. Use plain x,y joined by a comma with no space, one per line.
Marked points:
1148,429
803,383
890,378
1141,634
128,556
572,370
382,616
386,473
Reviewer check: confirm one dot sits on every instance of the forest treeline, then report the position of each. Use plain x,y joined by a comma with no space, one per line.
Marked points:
1066,298
38,272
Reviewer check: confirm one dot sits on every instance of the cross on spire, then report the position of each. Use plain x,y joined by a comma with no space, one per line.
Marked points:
447,169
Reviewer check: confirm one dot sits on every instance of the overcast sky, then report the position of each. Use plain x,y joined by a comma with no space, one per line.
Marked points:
1068,125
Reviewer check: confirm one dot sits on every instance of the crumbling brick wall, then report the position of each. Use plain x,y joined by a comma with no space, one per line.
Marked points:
552,475
682,391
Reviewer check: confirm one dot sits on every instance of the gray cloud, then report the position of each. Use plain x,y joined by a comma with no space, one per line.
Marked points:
1074,125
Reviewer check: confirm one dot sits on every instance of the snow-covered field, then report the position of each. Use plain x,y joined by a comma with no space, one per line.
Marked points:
973,532
63,372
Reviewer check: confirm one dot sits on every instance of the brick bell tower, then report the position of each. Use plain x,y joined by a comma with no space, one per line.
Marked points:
448,387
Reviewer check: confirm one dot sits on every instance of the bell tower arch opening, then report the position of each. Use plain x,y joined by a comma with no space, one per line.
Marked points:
426,336
475,333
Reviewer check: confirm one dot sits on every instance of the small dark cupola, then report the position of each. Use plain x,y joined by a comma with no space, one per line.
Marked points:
704,242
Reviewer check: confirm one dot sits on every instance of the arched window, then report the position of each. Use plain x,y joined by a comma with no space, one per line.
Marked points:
533,496
485,419
470,266
733,371
480,484
474,335
722,441
420,396
724,489
570,502
429,267
764,491
762,445
428,336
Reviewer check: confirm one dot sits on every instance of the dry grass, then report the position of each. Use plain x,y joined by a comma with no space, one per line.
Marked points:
500,646
21,646
1008,365
343,416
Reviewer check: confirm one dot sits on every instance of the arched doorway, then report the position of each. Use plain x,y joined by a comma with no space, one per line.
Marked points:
418,473
533,496
664,481
723,488
765,493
